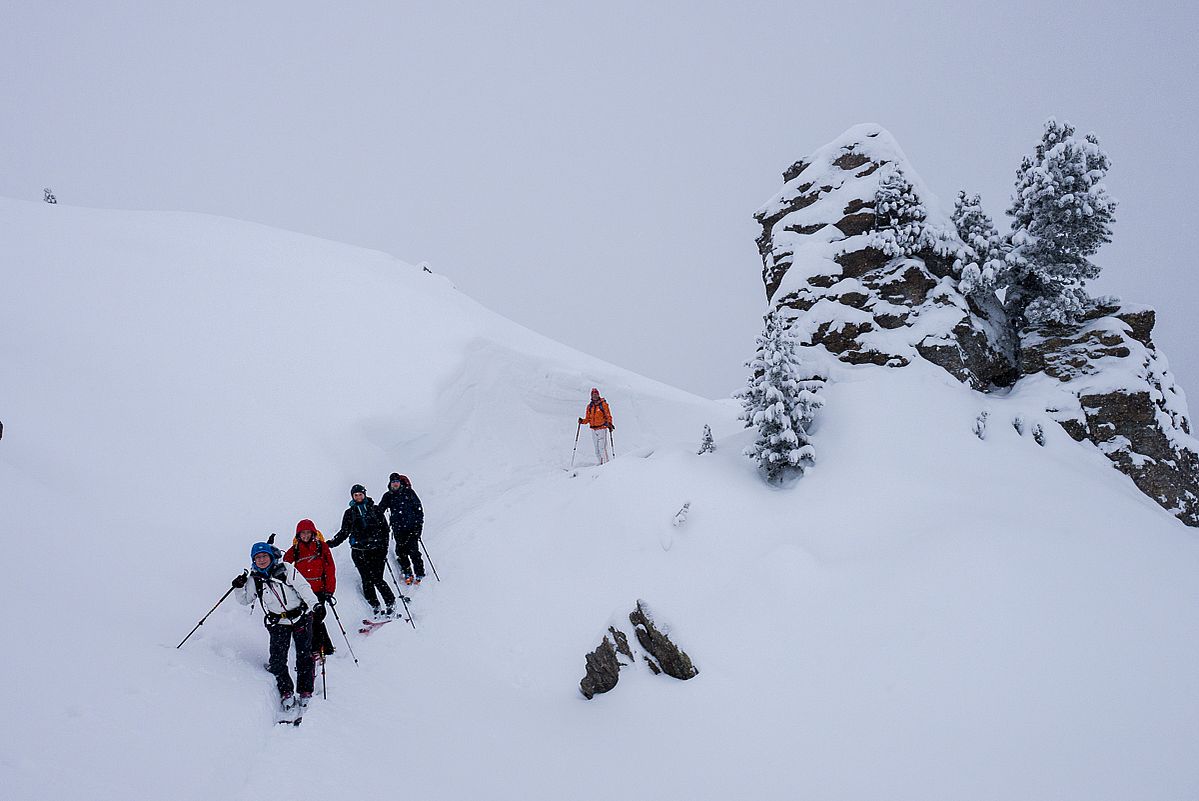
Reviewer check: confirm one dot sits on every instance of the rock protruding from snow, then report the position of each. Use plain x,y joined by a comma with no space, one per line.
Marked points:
603,664
831,254
663,655
615,652
1107,383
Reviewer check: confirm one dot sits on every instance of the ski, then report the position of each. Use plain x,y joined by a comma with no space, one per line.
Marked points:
369,626
291,714
302,709
298,710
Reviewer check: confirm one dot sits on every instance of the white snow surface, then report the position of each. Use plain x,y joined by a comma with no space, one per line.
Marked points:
925,615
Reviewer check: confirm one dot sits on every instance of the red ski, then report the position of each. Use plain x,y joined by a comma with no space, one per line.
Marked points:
369,626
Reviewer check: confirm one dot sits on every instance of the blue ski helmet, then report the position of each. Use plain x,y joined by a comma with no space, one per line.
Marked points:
266,548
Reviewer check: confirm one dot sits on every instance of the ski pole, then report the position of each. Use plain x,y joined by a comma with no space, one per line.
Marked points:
427,559
337,617
612,439
399,593
324,681
578,428
210,611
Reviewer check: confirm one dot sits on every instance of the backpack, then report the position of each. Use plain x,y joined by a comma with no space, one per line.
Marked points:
319,539
270,618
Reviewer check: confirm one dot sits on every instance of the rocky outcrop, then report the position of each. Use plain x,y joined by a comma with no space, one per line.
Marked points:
822,264
825,266
655,650
662,656
603,664
1107,383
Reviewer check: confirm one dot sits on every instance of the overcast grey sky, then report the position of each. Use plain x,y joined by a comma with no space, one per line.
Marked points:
591,169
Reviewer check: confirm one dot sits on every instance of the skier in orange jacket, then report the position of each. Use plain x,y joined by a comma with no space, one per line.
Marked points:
599,417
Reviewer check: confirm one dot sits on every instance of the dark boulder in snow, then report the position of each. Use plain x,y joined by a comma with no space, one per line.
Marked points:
663,656
1104,381
656,651
603,666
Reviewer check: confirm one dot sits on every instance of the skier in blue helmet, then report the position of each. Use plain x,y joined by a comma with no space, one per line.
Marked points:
287,602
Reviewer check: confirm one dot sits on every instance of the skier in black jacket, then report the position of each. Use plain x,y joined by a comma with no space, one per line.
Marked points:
365,527
407,522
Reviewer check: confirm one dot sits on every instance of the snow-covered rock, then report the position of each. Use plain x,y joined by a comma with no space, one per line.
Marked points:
1104,381
653,648
826,260
848,294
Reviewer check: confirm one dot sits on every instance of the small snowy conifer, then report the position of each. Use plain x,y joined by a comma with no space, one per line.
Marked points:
981,264
707,444
780,401
48,196
901,227
1061,214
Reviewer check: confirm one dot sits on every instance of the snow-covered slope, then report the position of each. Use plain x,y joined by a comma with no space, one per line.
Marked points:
926,615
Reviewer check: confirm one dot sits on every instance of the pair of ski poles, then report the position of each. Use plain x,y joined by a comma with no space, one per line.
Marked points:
399,587
332,605
579,428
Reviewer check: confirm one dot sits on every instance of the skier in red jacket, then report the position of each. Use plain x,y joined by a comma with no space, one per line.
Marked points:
313,559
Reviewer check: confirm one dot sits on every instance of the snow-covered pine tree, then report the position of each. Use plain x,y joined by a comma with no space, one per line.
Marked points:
48,197
901,227
707,444
981,265
780,401
1061,215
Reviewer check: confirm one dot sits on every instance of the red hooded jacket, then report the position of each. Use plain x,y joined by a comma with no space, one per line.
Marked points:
314,561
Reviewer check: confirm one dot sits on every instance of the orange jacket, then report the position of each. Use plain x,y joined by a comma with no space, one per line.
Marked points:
598,415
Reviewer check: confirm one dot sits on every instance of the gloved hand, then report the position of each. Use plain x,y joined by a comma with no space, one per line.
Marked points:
240,581
611,427
319,613
324,596
581,421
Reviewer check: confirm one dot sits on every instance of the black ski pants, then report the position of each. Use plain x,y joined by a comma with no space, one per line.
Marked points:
408,552
321,642
281,638
371,565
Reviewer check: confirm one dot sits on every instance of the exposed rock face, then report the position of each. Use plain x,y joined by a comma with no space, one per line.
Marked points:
823,265
663,655
660,655
603,666
1109,385
820,261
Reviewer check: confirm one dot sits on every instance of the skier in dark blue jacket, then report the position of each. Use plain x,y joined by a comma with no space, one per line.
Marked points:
365,527
407,523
